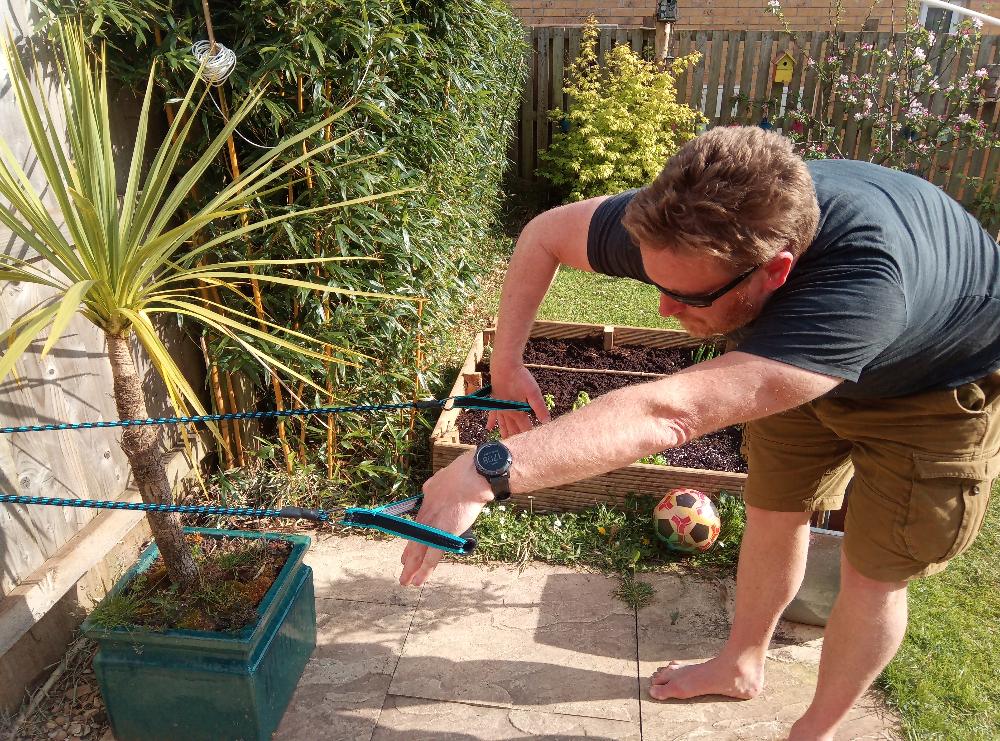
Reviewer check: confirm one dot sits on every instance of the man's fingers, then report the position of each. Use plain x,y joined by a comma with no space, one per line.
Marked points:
413,557
537,402
431,558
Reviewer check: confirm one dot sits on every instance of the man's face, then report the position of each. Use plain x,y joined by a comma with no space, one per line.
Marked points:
694,276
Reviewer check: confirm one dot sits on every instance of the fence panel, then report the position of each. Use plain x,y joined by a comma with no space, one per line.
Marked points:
733,82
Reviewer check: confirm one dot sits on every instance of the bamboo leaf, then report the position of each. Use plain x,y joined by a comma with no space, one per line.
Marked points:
297,283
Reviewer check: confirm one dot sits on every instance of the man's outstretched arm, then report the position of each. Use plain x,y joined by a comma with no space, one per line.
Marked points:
613,431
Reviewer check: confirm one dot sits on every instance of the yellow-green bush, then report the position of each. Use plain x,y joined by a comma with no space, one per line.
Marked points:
624,121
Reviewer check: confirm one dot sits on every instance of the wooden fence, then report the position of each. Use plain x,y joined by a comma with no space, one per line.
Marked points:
733,83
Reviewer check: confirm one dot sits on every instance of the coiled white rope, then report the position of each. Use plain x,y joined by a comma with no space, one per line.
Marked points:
217,61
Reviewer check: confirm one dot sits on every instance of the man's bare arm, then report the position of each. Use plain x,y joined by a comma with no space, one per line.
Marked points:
553,238
621,427
613,431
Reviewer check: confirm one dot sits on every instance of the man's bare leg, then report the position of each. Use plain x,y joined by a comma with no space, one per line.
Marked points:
866,626
772,563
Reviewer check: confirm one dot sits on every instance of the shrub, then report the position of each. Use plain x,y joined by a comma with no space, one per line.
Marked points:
623,123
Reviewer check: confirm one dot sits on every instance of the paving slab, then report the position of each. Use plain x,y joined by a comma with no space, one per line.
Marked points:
415,719
360,569
688,620
543,639
343,688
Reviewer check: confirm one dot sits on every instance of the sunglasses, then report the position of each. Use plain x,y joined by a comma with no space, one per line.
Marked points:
706,299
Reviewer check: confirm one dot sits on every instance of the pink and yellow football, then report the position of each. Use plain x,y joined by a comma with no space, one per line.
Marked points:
687,520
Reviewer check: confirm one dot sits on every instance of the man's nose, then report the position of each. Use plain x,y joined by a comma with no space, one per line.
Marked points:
669,307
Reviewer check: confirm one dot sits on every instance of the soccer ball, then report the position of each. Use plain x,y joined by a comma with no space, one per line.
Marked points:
687,520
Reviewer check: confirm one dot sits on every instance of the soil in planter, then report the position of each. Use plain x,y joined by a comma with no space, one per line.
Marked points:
236,573
717,451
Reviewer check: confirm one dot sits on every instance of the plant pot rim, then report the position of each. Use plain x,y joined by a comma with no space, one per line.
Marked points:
237,641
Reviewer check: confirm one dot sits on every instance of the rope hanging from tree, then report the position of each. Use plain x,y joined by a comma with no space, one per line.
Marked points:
216,60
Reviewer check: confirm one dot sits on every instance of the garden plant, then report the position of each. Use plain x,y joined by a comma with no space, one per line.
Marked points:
916,93
623,122
433,106
127,262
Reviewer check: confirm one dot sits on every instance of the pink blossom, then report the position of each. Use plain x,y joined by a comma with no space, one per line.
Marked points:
982,73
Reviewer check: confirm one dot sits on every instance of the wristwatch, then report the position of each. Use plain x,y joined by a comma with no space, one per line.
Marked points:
493,461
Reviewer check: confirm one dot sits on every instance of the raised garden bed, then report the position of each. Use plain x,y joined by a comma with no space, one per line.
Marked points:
568,359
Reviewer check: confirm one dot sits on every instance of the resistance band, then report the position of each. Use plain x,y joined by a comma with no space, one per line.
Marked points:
387,518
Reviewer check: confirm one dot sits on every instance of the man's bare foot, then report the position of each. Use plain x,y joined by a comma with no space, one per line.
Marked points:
714,677
803,730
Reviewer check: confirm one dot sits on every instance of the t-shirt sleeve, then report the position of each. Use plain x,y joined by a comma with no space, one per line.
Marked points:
610,249
831,319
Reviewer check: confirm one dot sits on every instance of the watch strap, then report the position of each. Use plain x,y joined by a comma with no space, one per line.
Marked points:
500,486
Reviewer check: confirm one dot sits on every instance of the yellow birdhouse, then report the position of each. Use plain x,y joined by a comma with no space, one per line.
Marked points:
783,68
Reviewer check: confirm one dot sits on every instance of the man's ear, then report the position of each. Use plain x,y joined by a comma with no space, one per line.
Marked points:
776,270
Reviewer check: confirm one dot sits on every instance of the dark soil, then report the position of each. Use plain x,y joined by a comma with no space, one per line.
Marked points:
717,451
589,352
236,573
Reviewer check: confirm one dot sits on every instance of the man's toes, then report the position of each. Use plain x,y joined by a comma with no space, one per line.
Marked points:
662,674
663,690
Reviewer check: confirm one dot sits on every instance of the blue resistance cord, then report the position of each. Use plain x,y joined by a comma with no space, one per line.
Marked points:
387,518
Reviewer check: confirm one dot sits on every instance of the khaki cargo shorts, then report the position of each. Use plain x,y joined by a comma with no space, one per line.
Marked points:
922,468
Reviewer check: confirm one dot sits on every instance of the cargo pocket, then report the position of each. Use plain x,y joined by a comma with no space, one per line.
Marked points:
947,505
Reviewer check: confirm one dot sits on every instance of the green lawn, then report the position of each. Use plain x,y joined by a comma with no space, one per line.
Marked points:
592,298
945,677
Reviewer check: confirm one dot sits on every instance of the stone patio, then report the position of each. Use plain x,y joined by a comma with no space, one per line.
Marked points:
495,653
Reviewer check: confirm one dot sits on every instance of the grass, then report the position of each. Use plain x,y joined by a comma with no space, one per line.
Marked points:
618,540
576,296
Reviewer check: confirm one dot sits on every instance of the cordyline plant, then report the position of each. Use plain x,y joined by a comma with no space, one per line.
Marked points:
916,92
125,260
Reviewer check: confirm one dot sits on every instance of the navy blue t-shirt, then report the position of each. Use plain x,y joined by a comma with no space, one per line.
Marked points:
898,293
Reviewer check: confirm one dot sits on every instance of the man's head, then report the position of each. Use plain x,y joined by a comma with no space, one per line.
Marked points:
733,209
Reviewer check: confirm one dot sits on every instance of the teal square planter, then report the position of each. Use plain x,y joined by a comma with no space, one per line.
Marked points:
187,685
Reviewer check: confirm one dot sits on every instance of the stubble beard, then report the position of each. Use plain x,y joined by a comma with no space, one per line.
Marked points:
741,313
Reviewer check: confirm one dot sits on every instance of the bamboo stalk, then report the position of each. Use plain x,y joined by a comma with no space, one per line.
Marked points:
331,423
257,300
212,293
213,375
419,366
238,432
305,149
602,371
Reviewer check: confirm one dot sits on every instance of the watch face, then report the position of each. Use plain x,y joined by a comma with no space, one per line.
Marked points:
493,458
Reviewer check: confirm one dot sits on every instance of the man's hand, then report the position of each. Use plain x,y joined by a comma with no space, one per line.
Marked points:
453,499
516,385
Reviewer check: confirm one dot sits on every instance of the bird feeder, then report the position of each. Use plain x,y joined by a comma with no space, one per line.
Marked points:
784,68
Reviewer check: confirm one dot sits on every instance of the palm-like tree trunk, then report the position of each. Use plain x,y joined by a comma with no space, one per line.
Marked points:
142,447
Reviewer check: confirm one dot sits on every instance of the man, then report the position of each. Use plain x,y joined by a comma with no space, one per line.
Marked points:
864,305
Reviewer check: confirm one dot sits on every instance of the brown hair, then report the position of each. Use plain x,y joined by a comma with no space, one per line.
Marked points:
739,194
